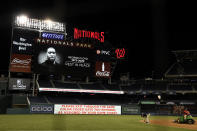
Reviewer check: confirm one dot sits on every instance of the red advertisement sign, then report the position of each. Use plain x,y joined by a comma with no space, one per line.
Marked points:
20,63
102,69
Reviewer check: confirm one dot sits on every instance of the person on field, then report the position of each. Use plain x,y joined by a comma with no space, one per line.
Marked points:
146,117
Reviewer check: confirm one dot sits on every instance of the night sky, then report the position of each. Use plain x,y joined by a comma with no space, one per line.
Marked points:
149,29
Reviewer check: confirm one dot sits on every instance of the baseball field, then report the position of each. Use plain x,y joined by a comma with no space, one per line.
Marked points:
45,122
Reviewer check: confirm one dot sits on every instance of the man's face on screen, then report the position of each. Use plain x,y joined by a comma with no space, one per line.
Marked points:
51,54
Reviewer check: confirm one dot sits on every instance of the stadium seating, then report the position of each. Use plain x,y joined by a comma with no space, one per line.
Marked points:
114,87
195,87
134,87
179,87
46,84
93,101
65,85
37,100
91,86
62,100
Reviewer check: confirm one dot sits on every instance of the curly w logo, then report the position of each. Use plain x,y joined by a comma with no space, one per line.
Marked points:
120,53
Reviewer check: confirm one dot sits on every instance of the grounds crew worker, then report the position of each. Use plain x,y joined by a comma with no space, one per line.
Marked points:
186,113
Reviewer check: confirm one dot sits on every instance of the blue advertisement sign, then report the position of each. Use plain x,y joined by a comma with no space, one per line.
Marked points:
42,108
52,36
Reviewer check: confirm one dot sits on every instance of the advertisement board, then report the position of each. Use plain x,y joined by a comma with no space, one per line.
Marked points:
19,84
102,69
56,36
58,56
79,34
87,109
130,109
103,54
20,63
42,108
23,41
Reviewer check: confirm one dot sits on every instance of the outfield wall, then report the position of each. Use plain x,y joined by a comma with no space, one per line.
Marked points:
129,109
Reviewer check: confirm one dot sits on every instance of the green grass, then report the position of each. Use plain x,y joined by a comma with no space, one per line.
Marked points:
80,123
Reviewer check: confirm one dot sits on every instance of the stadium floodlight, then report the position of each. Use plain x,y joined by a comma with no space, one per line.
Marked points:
45,25
49,22
22,19
159,97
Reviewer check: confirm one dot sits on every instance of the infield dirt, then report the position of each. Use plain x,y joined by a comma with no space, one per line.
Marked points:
172,124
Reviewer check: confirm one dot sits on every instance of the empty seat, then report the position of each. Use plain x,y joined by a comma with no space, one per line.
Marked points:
45,84
37,100
111,87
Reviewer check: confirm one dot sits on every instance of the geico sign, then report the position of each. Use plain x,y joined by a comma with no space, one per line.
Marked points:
103,73
41,108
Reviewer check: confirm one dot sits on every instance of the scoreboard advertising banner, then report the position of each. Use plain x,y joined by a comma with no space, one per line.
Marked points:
23,41
59,56
19,84
42,108
87,109
79,34
102,69
20,63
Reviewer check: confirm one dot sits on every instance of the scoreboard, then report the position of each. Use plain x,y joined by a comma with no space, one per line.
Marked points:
46,47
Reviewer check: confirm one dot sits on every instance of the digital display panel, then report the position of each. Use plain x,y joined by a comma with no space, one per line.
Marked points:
62,57
23,41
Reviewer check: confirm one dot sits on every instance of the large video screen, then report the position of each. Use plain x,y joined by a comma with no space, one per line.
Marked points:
62,57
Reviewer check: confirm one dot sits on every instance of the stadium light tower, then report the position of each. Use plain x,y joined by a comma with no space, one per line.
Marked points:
23,21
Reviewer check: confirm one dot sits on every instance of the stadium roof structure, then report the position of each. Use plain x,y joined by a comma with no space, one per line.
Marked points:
185,54
184,66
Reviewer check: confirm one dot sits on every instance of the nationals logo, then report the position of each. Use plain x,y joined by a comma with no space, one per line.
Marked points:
20,63
88,34
120,53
